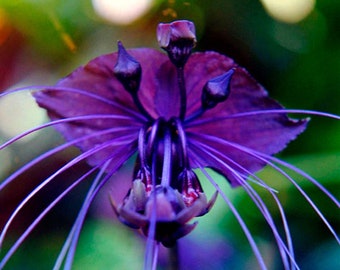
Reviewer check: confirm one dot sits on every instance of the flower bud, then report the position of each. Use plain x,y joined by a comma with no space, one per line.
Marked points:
132,209
127,70
191,187
177,39
172,215
192,192
145,176
167,206
216,90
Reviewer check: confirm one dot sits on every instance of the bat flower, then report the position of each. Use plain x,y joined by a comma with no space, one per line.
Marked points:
181,112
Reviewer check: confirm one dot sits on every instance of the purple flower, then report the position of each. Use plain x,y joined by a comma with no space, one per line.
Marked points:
179,112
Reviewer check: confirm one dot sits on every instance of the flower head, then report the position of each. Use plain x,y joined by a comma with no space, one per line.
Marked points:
179,112
177,39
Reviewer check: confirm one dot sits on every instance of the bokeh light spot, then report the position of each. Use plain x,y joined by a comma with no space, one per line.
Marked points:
18,113
6,157
289,11
121,12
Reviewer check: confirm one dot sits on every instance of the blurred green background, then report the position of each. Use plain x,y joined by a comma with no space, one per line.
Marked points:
293,50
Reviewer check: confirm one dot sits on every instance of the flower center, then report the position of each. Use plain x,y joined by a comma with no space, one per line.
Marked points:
162,151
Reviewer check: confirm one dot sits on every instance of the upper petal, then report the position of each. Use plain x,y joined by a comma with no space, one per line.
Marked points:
93,89
268,133
202,67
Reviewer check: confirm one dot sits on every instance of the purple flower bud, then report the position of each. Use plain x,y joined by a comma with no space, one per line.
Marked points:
127,70
167,206
177,39
171,214
191,187
145,176
130,212
167,203
216,90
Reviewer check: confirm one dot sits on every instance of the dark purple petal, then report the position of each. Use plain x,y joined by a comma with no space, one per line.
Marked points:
267,133
94,90
167,98
201,68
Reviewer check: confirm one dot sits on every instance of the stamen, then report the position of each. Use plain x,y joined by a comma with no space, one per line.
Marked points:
289,248
49,179
151,244
152,139
182,92
93,96
143,174
283,248
54,151
84,210
267,159
61,121
31,227
141,146
182,137
259,112
166,172
237,215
